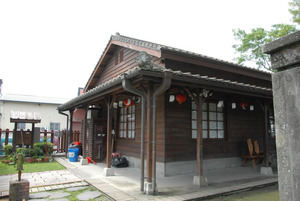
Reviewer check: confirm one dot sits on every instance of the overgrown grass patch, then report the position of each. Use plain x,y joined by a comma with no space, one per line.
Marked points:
6,169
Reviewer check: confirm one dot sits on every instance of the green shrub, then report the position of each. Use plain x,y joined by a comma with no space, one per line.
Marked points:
40,148
8,150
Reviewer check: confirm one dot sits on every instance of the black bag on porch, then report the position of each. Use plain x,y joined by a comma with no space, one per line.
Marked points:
119,161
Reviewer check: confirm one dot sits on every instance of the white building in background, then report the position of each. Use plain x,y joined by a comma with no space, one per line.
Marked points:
46,107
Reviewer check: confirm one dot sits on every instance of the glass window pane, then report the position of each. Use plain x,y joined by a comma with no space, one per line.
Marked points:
122,111
129,110
122,118
121,133
133,125
132,134
194,124
194,114
125,126
212,134
193,105
221,134
133,109
204,106
204,134
204,115
129,134
129,126
212,107
212,125
220,109
220,116
220,125
121,126
204,124
194,134
212,116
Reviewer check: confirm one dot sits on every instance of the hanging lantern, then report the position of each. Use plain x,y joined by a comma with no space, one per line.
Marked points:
181,98
128,102
244,105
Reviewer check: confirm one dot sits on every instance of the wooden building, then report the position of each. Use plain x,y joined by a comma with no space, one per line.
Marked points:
171,111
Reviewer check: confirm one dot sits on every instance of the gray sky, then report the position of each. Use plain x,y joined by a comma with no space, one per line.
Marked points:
50,48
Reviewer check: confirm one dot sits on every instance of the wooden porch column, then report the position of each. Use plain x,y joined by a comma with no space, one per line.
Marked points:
199,103
108,130
71,125
199,180
84,133
149,132
266,134
108,171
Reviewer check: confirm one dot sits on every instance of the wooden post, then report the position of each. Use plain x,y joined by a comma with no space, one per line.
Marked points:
199,103
266,134
6,136
71,124
32,135
52,136
84,133
45,135
109,103
15,137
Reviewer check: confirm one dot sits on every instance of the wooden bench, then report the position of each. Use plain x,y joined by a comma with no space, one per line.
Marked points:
252,156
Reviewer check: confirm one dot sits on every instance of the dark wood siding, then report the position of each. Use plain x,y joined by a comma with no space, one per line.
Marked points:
132,147
111,70
202,70
240,125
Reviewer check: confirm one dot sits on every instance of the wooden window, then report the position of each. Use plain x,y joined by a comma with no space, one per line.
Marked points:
119,57
54,126
212,121
127,122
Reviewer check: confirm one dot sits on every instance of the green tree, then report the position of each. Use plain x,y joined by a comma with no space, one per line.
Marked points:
295,11
250,44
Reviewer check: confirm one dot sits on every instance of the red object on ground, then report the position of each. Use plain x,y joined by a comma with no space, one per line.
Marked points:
116,154
77,143
90,160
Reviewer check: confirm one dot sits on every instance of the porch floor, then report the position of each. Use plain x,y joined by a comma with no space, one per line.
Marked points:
125,185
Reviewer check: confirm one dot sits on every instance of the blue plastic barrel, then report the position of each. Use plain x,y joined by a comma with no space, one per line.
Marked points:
73,154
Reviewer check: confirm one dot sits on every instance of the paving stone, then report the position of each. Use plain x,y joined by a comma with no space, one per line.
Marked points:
59,195
88,195
76,188
37,200
64,199
39,195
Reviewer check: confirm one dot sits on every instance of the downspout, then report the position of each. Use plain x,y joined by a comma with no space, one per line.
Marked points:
162,88
128,87
66,146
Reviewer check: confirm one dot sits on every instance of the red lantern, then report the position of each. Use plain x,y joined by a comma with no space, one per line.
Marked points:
181,98
244,105
128,102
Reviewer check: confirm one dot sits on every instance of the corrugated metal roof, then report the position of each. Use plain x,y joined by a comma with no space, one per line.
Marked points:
32,99
176,75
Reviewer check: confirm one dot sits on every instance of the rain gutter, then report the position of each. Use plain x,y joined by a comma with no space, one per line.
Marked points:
128,87
162,88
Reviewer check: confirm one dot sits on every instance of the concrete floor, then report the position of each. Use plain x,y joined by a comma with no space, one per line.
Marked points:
127,181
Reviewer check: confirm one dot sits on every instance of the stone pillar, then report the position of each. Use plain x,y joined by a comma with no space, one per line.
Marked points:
285,58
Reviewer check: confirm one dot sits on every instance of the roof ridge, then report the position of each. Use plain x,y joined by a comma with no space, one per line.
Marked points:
156,46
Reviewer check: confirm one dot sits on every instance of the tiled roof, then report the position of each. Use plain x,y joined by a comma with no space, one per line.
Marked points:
176,75
159,47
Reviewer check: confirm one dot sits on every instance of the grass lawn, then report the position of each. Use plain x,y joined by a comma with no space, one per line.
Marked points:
263,194
6,169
